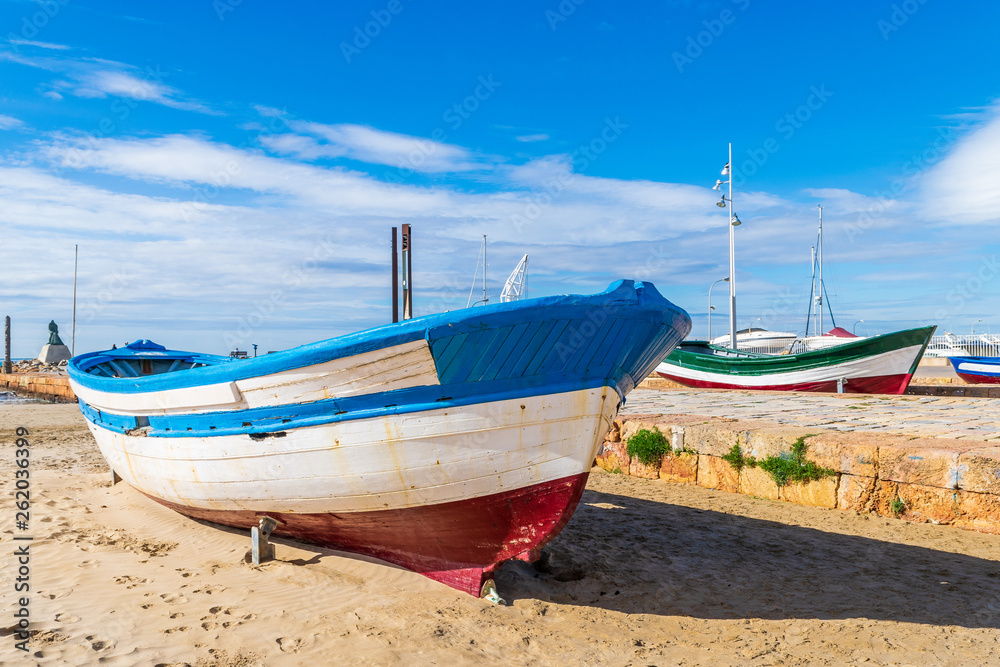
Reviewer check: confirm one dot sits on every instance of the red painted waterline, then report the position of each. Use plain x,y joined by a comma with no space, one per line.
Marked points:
458,543
879,384
979,379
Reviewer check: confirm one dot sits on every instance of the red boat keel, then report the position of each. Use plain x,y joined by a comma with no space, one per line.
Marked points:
459,543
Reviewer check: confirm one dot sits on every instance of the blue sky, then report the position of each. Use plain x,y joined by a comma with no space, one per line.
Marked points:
231,170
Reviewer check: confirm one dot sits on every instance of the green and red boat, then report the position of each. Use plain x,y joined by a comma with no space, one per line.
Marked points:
877,365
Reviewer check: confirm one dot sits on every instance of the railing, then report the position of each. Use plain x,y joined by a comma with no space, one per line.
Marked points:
968,345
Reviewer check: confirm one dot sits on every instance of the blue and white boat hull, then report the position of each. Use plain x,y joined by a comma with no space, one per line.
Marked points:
446,444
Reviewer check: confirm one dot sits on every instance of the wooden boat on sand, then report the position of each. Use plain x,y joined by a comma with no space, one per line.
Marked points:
446,444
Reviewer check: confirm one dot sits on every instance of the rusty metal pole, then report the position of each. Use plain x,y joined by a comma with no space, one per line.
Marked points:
395,278
7,366
409,273
407,295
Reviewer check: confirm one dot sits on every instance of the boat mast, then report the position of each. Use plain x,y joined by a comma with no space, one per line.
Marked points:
482,256
819,252
811,311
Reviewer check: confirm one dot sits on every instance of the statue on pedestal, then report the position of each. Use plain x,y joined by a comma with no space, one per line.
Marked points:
55,350
54,334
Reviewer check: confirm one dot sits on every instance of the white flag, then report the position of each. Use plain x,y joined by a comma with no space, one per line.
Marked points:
725,170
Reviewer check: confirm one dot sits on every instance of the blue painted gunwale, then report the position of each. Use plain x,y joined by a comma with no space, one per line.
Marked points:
514,350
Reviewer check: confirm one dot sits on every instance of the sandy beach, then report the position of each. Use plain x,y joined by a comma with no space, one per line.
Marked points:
646,573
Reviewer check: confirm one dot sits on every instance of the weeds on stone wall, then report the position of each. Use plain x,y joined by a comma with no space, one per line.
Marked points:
789,468
648,446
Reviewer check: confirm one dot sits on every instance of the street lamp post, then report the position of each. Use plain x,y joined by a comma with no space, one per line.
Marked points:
710,307
734,222
854,329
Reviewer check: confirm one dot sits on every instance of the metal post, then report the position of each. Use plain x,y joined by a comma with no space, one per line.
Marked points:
395,278
409,273
261,549
407,245
76,255
7,366
732,259
710,305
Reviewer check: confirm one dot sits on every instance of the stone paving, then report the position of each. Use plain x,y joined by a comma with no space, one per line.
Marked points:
918,416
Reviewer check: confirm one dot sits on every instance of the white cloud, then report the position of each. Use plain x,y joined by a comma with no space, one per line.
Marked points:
962,187
10,123
367,144
533,137
98,77
41,45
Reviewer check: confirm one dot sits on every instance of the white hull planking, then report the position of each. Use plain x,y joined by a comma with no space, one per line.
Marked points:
389,462
397,367
896,362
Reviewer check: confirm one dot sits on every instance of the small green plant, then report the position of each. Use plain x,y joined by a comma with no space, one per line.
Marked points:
737,460
897,506
616,470
648,446
790,467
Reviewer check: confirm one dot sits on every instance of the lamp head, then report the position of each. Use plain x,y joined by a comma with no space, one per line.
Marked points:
736,221
721,203
718,184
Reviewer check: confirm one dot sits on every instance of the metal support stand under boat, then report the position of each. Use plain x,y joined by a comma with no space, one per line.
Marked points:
489,593
840,385
262,550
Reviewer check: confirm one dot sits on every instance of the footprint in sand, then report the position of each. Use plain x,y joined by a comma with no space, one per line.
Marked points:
173,598
177,614
209,590
209,625
66,618
289,644
170,631
130,581
100,644
54,596
89,563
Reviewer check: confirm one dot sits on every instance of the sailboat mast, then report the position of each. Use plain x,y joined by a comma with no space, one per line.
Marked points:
811,314
485,300
820,253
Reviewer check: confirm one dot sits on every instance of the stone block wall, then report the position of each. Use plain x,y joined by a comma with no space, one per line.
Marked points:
935,480
39,385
